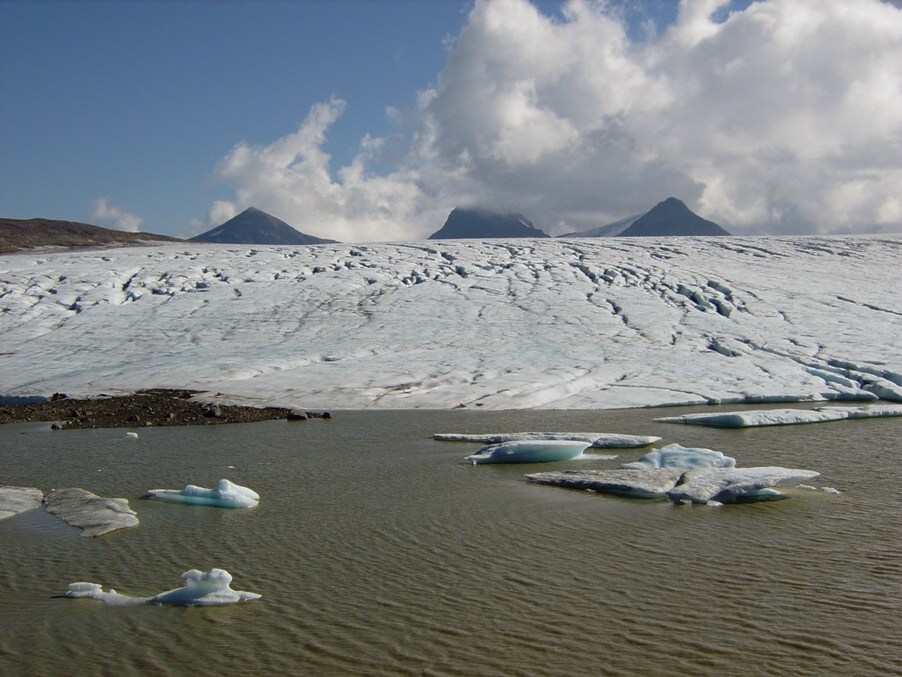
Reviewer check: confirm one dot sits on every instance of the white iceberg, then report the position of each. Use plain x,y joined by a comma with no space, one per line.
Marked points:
529,451
93,514
595,440
736,485
14,500
768,417
211,588
225,495
684,458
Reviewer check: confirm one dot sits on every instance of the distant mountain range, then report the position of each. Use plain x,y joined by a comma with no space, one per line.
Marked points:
18,234
254,226
483,223
668,218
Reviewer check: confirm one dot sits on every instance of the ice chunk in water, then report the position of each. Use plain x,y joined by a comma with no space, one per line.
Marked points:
685,458
225,495
210,588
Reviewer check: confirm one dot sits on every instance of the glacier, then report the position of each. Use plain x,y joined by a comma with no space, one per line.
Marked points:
201,588
497,324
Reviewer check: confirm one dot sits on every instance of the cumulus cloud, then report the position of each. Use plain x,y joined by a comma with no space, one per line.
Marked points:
110,215
782,117
292,177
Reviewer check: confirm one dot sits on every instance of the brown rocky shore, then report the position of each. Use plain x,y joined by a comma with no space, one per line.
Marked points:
144,408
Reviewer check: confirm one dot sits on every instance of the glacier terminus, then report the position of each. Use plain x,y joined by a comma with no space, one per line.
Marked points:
497,324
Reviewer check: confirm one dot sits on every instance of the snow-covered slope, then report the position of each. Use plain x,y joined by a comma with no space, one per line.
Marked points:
498,324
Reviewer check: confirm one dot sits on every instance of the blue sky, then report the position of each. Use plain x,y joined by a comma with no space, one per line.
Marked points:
371,119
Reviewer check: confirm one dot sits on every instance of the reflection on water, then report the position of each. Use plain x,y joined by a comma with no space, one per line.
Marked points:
379,552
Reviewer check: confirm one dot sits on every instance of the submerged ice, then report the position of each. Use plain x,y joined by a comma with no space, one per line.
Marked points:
210,588
225,495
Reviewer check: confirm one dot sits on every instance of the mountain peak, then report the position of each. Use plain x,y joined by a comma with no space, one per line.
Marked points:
254,226
672,217
480,223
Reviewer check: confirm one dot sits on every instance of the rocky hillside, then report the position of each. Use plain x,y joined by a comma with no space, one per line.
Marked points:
19,234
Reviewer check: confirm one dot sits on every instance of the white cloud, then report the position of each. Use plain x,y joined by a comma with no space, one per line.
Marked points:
784,117
292,178
110,215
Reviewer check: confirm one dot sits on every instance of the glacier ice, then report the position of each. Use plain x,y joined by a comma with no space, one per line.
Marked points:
210,588
684,475
595,440
734,485
631,483
94,515
14,500
684,458
581,324
529,451
225,495
768,417
709,485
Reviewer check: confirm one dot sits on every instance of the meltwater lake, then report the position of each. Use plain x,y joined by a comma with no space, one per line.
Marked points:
378,551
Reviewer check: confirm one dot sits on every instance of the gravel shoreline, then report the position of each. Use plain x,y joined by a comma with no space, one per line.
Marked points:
158,407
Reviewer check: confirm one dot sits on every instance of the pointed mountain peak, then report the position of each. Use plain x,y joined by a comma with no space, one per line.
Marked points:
672,217
669,217
254,226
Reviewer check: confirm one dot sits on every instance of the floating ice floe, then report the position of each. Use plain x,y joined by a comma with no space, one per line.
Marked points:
14,500
631,483
684,458
736,485
211,588
684,475
529,451
93,514
768,417
225,495
596,440
713,486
